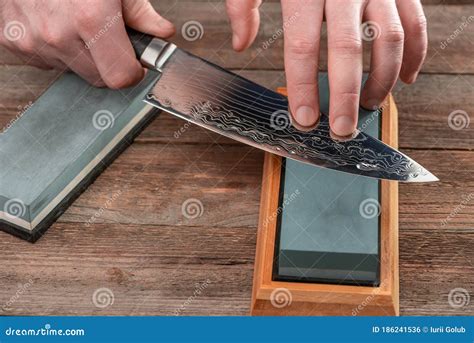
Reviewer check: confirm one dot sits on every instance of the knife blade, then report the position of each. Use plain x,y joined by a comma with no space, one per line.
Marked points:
207,95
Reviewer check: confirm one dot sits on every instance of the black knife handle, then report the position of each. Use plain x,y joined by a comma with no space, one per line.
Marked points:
140,41
153,52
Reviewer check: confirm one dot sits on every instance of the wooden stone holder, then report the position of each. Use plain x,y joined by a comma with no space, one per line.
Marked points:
309,299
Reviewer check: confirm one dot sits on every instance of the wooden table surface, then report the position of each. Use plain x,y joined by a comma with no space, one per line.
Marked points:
155,261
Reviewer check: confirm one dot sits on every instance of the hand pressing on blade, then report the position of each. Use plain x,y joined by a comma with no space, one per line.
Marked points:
85,36
397,29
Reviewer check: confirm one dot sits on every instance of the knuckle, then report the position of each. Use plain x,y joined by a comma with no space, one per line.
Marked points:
347,45
418,26
53,38
88,18
137,9
344,97
26,46
303,47
394,34
301,89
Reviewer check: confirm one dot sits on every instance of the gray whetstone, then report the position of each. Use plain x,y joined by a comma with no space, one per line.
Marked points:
55,142
325,215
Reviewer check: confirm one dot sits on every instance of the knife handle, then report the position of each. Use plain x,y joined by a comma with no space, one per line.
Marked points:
152,52
139,40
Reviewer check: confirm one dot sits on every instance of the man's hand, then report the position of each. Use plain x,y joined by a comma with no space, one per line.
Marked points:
398,51
86,36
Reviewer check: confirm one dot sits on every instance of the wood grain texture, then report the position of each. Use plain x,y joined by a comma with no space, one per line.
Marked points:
424,108
142,247
150,269
154,259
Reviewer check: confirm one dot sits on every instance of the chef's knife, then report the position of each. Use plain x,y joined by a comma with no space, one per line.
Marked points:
219,100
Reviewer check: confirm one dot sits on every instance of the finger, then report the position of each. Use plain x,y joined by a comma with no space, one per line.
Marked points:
141,16
83,65
416,38
302,29
344,63
112,52
387,51
245,20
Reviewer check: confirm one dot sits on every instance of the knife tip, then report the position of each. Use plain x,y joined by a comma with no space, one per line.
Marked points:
428,177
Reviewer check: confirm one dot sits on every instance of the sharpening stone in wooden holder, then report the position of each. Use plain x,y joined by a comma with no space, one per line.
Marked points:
327,241
60,145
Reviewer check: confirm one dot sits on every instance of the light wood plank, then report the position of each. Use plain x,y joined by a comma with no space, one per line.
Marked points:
424,108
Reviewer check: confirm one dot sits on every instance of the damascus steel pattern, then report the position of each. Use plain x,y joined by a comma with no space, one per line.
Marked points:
221,101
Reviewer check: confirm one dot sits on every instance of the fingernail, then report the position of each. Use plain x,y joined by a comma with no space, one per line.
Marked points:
413,78
236,42
305,116
343,125
409,79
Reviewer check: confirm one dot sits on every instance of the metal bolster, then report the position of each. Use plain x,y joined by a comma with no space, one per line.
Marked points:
165,55
157,53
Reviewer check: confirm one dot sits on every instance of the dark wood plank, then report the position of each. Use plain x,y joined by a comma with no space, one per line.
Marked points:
215,45
151,270
425,108
451,199
434,262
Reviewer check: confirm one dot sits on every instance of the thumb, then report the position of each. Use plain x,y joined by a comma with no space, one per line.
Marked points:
141,16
